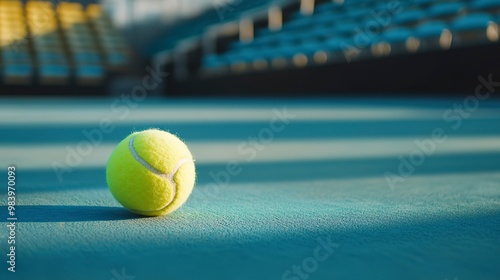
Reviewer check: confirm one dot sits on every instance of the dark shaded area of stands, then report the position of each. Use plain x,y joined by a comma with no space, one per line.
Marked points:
444,72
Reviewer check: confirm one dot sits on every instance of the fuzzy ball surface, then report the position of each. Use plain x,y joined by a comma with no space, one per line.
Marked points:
151,172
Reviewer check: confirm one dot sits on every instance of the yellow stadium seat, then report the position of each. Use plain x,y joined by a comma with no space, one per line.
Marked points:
39,5
94,10
69,6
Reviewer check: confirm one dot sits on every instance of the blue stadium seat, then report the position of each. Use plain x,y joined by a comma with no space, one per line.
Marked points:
318,32
17,73
212,61
327,7
328,19
492,6
433,35
79,37
346,29
15,55
46,56
53,73
335,44
258,58
358,14
273,39
47,45
297,23
47,39
89,74
358,4
89,70
111,43
116,59
340,49
423,3
474,29
390,6
259,41
76,45
408,18
297,15
394,36
394,41
446,11
430,29
471,22
87,57
309,47
239,44
283,50
219,63
238,56
268,53
239,61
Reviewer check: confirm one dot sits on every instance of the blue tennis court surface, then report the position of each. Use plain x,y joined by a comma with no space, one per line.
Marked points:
286,189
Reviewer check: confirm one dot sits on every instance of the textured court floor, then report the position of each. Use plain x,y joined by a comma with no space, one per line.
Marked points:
327,189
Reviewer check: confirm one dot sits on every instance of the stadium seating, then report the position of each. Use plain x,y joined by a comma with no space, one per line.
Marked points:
75,44
63,45
222,11
360,30
296,45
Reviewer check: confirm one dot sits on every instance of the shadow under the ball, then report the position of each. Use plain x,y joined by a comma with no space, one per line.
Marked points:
71,213
44,180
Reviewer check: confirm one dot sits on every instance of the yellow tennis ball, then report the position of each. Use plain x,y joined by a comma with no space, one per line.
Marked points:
151,172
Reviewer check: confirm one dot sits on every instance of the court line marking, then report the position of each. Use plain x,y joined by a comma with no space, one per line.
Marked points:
89,115
222,152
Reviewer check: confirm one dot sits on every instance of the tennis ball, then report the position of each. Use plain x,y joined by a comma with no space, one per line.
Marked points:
151,172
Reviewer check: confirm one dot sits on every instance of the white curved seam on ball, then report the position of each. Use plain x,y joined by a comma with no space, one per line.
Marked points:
168,176
141,160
